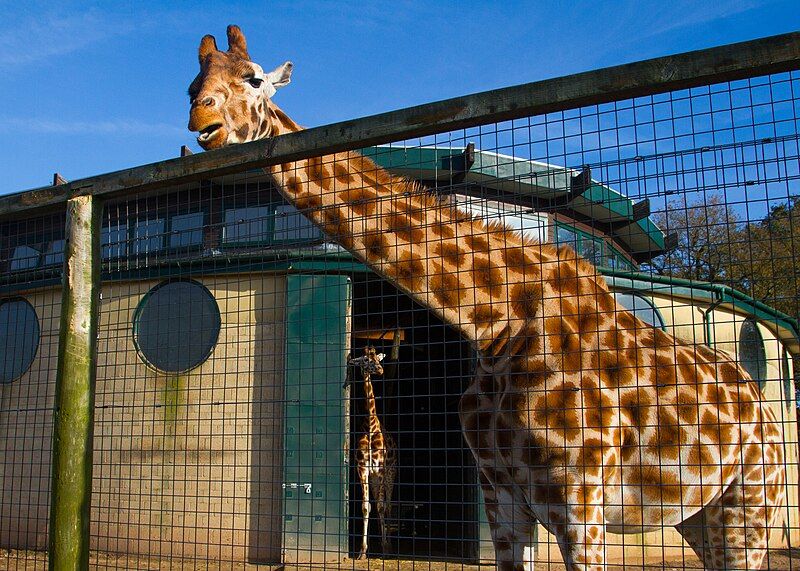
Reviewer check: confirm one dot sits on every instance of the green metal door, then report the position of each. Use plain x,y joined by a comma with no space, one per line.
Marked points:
315,474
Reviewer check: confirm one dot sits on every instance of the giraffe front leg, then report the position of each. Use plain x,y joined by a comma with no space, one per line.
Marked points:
579,527
363,476
511,528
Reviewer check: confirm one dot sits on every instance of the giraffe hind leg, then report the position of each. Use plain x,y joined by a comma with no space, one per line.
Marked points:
511,526
733,531
384,504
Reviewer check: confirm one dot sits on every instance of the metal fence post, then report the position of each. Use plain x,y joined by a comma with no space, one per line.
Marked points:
74,401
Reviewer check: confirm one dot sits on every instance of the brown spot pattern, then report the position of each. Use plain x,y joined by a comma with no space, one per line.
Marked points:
589,320
413,210
337,226
614,370
656,339
700,458
442,228
669,431
687,407
341,174
362,201
630,443
308,201
634,404
557,410
294,185
317,172
515,257
528,342
599,411
376,246
487,277
665,372
564,279
408,271
404,228
484,314
445,287
477,243
243,131
526,299
531,373
450,253
563,339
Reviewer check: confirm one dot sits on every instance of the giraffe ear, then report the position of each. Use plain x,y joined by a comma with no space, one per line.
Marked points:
281,75
207,45
236,42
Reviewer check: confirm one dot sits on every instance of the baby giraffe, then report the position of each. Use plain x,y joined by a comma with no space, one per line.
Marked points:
376,455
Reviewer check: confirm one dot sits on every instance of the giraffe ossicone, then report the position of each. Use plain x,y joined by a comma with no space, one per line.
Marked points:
580,416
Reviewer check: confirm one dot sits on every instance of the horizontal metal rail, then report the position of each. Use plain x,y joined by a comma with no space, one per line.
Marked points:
703,67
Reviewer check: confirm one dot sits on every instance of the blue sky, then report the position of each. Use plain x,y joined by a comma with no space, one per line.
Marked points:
89,88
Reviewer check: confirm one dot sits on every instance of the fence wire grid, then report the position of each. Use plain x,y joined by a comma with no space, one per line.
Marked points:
251,369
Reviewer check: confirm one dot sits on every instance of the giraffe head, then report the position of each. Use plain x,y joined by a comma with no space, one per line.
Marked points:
230,97
369,362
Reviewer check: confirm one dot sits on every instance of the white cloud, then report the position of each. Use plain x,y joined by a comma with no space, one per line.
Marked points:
113,127
30,39
694,14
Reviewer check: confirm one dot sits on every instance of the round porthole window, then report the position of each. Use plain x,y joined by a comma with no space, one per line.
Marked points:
19,338
176,326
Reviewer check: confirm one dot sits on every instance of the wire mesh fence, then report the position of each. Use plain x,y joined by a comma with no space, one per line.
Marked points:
276,345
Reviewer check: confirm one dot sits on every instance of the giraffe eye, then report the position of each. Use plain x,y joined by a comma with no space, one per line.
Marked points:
255,82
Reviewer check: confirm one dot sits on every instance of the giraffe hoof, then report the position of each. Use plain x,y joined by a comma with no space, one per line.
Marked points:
361,556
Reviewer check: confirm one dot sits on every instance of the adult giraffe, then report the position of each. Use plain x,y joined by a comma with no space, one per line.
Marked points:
580,416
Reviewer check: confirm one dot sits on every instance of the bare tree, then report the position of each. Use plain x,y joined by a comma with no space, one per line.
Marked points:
709,236
767,268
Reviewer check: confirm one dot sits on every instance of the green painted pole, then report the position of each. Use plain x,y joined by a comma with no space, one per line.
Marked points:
70,500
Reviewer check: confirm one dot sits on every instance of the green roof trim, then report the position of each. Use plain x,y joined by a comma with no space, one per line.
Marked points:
523,177
313,260
705,292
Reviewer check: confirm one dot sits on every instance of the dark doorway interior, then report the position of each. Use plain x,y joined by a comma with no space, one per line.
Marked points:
427,367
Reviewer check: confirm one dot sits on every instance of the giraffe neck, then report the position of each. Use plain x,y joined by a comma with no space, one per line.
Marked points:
482,279
275,122
371,408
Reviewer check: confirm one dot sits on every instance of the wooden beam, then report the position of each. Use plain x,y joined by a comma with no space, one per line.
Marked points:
380,335
725,63
70,501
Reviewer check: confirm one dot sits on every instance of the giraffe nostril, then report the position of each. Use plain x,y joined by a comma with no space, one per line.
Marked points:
207,102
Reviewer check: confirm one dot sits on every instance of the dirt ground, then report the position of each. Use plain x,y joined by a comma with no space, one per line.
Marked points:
17,560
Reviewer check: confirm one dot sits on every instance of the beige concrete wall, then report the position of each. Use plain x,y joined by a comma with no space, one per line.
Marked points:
683,320
26,425
190,465
184,465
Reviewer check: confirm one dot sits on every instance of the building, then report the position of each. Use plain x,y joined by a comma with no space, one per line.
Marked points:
223,423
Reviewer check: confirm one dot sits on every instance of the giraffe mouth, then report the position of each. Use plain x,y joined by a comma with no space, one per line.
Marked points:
209,136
